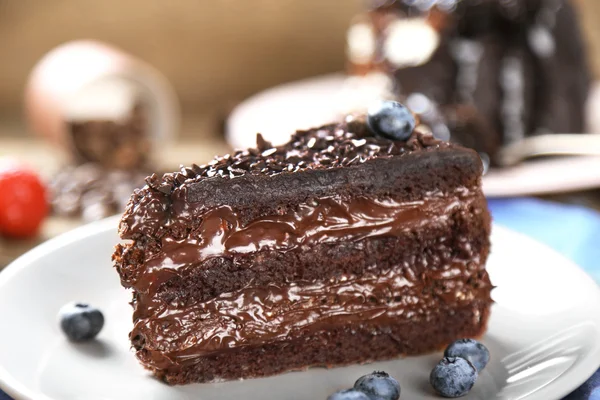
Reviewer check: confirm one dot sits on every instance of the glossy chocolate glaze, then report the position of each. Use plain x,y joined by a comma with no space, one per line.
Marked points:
327,220
254,316
169,335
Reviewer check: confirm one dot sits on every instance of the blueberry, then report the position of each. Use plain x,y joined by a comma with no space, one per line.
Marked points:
80,322
348,394
471,350
453,377
391,120
378,386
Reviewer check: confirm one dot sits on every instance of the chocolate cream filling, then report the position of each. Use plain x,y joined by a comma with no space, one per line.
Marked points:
324,220
255,316
172,335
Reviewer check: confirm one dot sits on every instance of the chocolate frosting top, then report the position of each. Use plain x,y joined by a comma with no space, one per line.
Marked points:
333,146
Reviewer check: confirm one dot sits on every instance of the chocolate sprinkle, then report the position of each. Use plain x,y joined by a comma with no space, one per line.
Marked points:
330,146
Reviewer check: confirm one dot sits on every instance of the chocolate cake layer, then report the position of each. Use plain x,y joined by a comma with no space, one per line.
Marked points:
344,235
256,316
359,343
325,220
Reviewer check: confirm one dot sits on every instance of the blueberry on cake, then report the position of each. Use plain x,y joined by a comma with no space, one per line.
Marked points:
355,241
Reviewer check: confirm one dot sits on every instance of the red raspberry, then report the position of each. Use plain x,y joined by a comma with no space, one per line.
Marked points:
23,201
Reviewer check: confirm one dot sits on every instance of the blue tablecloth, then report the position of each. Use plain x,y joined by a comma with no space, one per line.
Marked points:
571,230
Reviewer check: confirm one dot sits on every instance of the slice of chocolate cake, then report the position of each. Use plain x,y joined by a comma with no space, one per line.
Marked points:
341,246
496,71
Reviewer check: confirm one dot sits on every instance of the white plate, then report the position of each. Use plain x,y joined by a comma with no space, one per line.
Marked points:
544,333
278,112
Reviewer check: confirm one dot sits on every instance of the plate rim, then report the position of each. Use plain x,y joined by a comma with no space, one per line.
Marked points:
8,383
19,391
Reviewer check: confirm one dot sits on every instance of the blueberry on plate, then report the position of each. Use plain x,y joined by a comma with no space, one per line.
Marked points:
453,377
80,322
378,386
471,350
348,394
391,120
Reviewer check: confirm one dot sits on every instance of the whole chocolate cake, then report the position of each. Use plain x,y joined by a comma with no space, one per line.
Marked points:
492,71
341,246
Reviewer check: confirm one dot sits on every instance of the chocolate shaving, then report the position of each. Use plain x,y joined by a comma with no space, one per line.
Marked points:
261,143
334,145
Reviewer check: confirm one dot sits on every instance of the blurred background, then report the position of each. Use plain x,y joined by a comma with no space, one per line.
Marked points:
214,53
